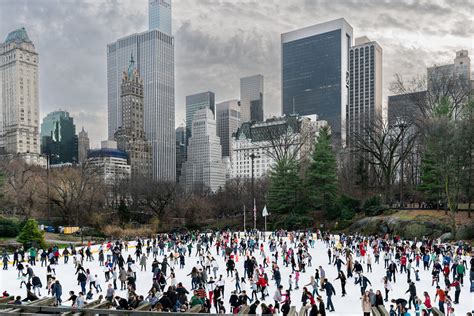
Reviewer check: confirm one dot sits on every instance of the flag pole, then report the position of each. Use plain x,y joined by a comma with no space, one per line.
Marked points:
254,215
244,219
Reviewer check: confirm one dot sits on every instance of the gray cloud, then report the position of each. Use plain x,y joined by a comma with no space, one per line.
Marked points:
219,41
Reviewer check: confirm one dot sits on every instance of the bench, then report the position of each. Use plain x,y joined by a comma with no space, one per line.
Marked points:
382,310
302,311
144,307
292,311
5,300
375,311
195,309
244,309
436,311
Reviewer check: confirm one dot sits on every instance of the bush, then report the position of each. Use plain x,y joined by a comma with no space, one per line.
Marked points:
9,227
373,206
349,207
293,221
31,233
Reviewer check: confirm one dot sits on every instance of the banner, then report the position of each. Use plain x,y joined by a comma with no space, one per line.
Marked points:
265,212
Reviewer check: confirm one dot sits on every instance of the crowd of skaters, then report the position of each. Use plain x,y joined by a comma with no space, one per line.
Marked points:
350,257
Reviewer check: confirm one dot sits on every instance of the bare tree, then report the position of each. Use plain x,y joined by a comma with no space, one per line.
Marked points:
22,183
75,192
289,139
380,146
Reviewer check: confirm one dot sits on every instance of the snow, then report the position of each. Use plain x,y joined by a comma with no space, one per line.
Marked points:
348,305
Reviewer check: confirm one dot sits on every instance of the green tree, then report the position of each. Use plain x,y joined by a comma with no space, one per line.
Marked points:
448,139
431,176
284,193
31,233
321,180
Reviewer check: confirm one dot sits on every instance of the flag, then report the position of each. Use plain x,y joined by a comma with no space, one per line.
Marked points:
254,210
264,212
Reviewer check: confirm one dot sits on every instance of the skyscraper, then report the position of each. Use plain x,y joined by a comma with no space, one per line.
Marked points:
130,136
159,15
19,100
196,102
228,122
315,73
58,138
365,86
203,168
83,145
180,149
251,98
154,51
460,69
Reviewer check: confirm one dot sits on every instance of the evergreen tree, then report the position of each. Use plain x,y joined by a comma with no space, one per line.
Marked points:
321,181
285,187
31,233
431,176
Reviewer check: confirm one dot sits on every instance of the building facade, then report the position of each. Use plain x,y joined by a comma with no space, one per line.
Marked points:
180,149
111,162
130,137
19,97
194,103
251,98
58,138
405,107
365,87
315,73
83,145
159,15
228,118
154,51
460,69
203,168
254,139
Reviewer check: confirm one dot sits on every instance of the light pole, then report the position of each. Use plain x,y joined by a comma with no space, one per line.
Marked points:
252,156
402,127
48,166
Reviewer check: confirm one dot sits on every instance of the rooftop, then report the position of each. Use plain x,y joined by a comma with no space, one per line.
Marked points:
18,36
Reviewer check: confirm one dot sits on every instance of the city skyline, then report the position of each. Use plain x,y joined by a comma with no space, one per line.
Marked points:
207,57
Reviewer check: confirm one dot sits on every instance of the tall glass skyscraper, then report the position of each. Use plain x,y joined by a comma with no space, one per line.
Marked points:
58,138
315,73
228,122
251,98
154,54
196,102
159,15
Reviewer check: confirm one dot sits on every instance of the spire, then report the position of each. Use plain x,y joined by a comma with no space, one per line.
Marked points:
131,66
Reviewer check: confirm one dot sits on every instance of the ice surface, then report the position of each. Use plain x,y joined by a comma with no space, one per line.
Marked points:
348,305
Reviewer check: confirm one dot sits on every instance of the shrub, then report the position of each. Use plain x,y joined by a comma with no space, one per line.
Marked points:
349,207
31,233
9,227
373,206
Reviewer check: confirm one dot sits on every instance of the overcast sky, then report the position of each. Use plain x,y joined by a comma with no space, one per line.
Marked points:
219,41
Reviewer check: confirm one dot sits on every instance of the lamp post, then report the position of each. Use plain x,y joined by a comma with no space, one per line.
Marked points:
402,127
48,166
252,156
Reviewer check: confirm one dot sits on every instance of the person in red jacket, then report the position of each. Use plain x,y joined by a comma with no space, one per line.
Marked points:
262,283
403,263
457,290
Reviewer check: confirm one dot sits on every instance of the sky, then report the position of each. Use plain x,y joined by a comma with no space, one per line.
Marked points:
219,41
